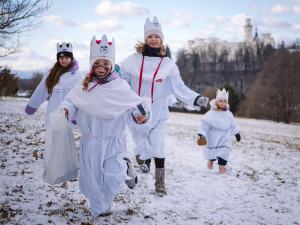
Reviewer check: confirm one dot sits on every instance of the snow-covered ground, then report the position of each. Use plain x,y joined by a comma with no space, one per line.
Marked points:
262,186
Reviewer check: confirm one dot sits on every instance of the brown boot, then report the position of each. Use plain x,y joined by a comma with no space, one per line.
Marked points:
140,162
160,181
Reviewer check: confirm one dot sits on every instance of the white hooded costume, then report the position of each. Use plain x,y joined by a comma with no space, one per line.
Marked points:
66,82
218,127
102,114
150,140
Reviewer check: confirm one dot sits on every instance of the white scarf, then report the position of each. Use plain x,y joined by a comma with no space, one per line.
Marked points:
108,100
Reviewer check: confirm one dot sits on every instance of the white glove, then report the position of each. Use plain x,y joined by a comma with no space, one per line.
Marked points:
202,101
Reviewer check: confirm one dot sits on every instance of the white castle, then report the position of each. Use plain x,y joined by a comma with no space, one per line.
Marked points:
208,44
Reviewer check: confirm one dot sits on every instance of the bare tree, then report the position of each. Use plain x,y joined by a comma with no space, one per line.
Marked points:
275,93
8,83
18,17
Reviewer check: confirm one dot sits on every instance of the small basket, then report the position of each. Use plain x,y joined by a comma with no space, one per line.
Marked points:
201,141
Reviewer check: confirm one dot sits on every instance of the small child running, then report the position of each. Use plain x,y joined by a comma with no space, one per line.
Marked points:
217,127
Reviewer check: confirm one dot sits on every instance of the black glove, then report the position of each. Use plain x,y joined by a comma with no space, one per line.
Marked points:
238,137
201,136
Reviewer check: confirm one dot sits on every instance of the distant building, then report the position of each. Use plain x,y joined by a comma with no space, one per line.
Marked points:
230,48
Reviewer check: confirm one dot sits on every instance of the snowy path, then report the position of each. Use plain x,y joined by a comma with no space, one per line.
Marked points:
262,186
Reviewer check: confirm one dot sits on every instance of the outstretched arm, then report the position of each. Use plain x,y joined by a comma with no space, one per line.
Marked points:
185,94
39,96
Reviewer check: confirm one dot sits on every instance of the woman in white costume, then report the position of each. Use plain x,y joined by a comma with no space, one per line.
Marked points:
151,73
104,105
217,127
57,83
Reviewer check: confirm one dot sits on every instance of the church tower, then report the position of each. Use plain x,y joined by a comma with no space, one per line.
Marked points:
248,31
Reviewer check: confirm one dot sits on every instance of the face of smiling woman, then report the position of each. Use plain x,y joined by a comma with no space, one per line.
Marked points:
64,61
102,68
153,41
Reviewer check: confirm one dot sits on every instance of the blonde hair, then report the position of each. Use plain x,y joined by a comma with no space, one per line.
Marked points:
86,82
141,47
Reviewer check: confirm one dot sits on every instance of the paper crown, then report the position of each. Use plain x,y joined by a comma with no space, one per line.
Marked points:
153,27
64,47
102,49
64,50
221,94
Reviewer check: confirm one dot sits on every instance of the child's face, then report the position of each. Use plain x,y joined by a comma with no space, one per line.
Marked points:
222,104
102,68
64,61
153,41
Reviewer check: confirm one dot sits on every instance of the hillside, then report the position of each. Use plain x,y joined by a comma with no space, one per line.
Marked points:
262,186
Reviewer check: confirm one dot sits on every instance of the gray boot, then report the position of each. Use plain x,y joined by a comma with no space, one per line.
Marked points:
160,181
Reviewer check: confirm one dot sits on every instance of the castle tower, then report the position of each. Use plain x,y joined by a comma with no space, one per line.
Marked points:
248,31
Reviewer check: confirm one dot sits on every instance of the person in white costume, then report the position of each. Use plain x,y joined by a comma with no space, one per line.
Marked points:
104,105
217,127
151,73
57,82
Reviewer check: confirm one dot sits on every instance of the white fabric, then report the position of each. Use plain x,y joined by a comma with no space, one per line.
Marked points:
102,149
133,63
153,27
103,50
64,47
150,140
66,82
61,163
218,127
109,100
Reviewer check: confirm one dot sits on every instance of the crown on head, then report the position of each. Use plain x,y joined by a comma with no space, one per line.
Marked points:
153,27
102,49
64,47
222,94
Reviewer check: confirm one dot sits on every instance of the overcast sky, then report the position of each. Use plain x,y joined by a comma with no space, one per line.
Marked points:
77,21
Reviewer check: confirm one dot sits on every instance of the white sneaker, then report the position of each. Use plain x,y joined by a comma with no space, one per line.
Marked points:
131,172
146,166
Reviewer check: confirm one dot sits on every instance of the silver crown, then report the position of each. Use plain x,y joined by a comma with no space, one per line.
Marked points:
64,47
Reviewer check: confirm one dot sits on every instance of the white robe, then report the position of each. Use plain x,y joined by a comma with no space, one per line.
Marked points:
66,82
103,141
217,127
150,140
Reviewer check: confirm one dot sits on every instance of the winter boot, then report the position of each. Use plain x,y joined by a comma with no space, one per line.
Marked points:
131,172
222,169
138,160
160,181
210,164
146,167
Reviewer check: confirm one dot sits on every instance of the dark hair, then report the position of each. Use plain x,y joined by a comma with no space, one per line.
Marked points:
54,75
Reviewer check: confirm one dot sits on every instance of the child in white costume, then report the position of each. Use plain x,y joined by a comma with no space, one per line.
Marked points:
217,127
57,83
151,73
104,105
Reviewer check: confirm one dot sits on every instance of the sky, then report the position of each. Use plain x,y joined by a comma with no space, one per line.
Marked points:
78,21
